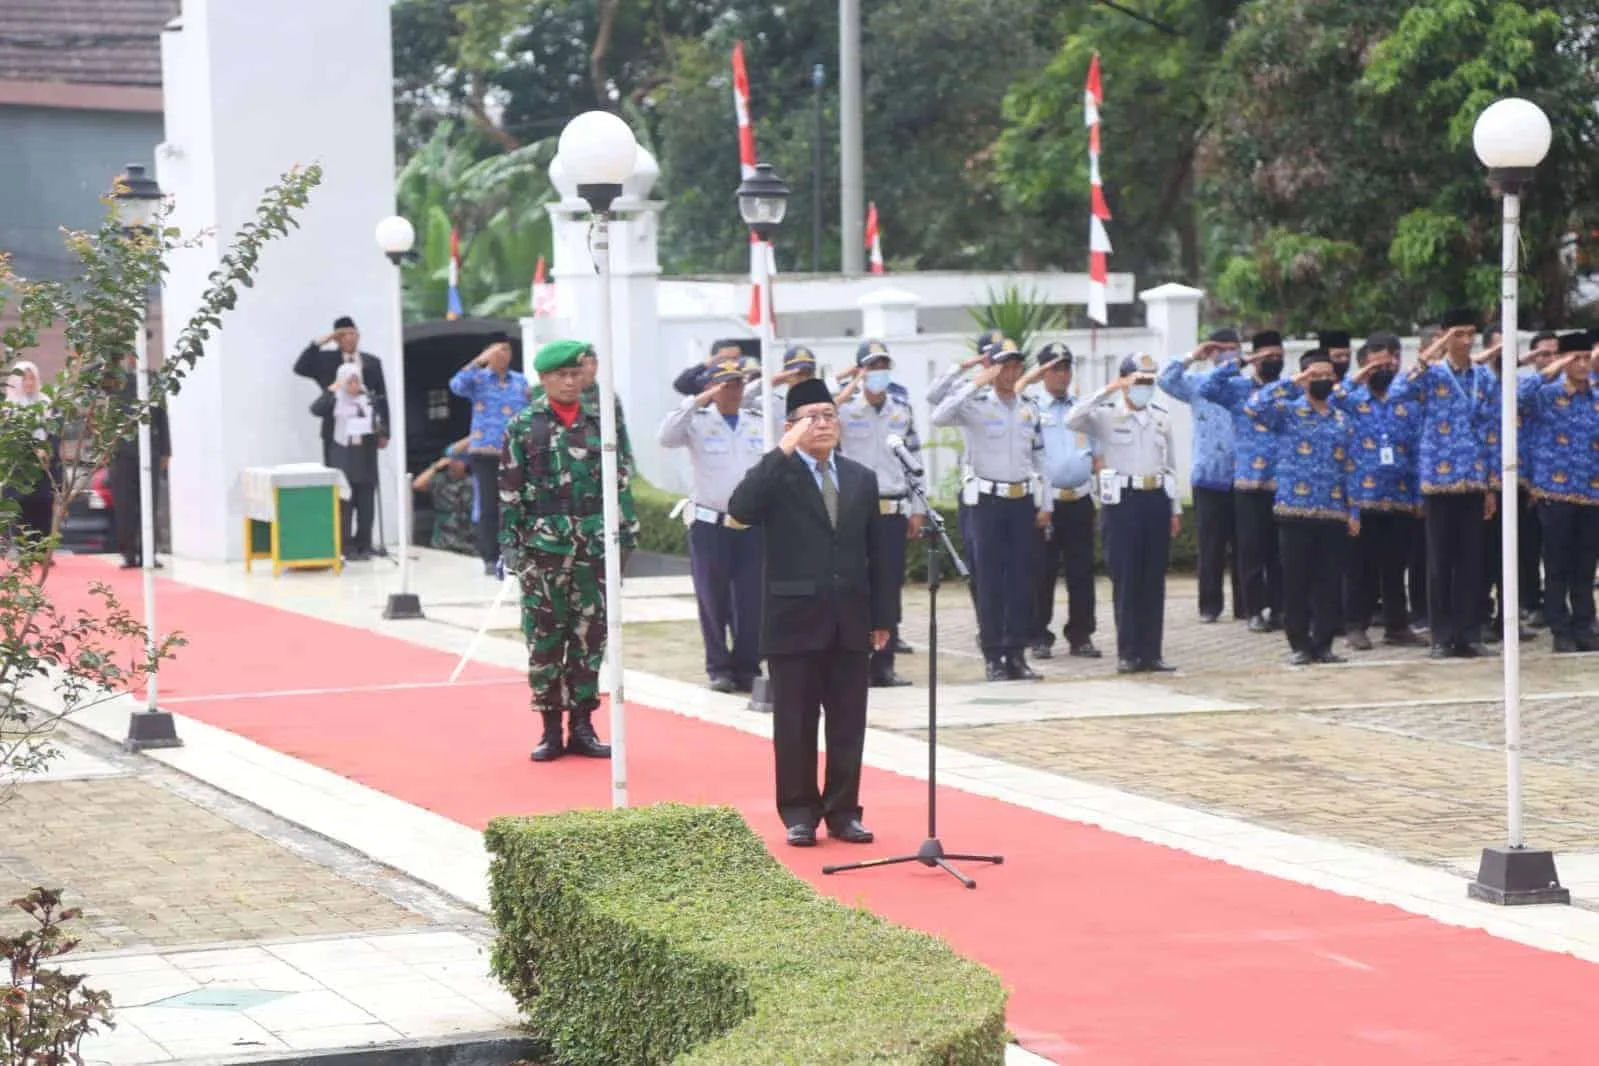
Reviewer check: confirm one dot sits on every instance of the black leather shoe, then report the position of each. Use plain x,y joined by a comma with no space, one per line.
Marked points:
1085,650
1159,666
1586,641
1358,640
851,832
1565,645
1327,658
550,746
1401,638
1476,650
723,684
902,648
1042,651
890,681
581,739
1440,652
801,836
744,684
1016,669
995,671
1208,618
1126,666
1258,624
1300,658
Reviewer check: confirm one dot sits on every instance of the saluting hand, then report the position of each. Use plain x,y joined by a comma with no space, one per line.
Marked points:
1488,353
987,375
796,433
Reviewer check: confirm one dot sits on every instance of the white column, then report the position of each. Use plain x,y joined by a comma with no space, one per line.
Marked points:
889,313
1172,311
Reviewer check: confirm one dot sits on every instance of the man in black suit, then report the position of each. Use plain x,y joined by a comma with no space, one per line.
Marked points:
322,366
828,604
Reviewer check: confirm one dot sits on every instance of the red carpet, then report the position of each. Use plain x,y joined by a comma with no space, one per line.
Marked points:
1119,952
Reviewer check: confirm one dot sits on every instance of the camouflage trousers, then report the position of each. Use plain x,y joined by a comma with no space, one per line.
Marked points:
563,620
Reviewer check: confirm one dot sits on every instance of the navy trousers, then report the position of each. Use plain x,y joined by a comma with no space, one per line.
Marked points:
1005,531
1137,549
891,549
1570,551
726,564
963,522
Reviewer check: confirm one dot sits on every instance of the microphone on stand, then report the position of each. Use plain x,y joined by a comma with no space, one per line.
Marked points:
907,458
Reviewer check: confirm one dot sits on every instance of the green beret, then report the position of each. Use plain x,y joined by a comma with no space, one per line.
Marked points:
559,355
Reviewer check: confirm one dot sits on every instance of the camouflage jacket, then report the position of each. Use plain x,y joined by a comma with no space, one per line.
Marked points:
551,484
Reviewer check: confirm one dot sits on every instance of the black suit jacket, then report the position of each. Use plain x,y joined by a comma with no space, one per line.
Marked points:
323,366
824,587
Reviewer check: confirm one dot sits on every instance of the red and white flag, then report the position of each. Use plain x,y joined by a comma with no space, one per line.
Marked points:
874,239
1098,238
543,293
761,258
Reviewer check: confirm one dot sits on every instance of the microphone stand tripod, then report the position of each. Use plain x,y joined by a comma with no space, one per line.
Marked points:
931,853
382,551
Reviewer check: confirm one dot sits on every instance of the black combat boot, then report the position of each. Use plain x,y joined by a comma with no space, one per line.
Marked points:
549,748
580,738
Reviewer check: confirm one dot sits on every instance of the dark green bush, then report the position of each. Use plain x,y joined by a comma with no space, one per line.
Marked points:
659,532
669,934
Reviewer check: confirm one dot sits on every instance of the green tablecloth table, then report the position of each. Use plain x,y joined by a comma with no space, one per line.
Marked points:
292,516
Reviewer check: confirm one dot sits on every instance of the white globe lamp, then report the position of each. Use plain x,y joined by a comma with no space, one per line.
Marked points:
1511,137
395,236
598,154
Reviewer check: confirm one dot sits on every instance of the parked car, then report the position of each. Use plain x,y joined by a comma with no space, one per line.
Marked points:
88,527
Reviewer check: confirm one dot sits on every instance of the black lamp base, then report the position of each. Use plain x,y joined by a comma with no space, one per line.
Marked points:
404,606
151,729
1514,877
761,696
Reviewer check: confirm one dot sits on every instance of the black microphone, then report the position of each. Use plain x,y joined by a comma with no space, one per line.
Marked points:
907,458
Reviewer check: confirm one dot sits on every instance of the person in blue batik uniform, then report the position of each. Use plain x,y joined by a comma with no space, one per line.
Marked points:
1211,476
1315,518
1566,484
1254,480
1529,532
497,394
1493,607
1457,398
1385,420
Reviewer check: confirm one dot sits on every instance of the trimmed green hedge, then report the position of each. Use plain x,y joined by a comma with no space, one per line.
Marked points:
659,532
669,934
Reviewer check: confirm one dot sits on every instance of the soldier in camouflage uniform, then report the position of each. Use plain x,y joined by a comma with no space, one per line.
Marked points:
553,535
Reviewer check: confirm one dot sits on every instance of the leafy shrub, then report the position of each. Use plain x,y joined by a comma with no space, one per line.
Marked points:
44,1013
670,934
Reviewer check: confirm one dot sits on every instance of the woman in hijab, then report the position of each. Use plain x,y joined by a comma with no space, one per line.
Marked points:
36,502
354,450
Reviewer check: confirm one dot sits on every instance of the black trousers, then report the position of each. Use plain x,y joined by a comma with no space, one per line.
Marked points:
1454,567
356,513
1416,573
893,529
1570,552
1258,551
1068,550
126,513
486,469
1313,552
1005,531
1382,554
1217,521
1529,546
804,688
1137,550
36,511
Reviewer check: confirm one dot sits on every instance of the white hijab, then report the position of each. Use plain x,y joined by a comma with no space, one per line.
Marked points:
352,415
16,390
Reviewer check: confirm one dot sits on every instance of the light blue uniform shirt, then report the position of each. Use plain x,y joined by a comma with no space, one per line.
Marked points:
1068,455
1213,424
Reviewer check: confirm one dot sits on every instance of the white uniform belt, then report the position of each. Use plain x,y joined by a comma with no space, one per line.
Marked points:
1143,481
1005,490
717,518
1081,492
893,505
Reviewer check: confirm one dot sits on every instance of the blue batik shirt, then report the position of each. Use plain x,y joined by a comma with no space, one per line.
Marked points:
1213,425
495,401
1565,447
1454,449
1528,426
1386,431
1254,446
1314,460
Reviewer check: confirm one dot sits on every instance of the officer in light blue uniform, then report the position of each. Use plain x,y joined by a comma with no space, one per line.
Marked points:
799,364
1254,477
1211,475
871,409
724,439
1007,492
1068,543
1138,490
1315,462
937,391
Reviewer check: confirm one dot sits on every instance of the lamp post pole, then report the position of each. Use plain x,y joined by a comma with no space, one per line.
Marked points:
818,175
762,202
1512,137
395,236
851,139
598,149
137,196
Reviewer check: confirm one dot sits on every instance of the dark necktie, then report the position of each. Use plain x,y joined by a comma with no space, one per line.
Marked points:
829,492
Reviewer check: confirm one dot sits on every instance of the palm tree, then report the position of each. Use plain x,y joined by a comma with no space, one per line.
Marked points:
496,201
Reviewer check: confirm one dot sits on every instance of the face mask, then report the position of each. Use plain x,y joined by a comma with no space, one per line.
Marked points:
1381,379
878,380
1270,369
1339,370
1140,395
1321,389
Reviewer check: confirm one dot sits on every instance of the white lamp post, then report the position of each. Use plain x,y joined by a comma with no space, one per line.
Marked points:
763,201
1511,138
395,236
137,198
598,151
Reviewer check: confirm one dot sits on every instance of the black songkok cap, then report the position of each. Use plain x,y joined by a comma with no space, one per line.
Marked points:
1266,339
807,392
344,322
1460,316
1333,338
1312,357
1579,341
